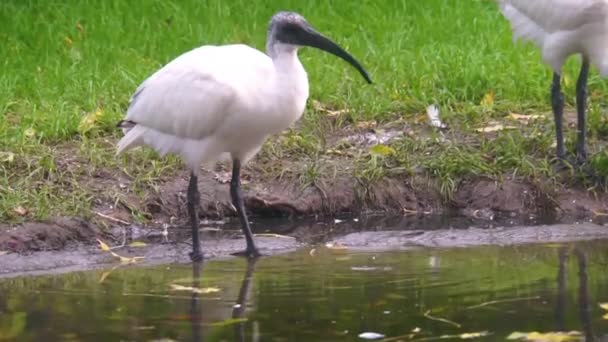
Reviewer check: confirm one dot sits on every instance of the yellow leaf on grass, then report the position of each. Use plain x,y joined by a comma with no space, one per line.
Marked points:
495,127
366,124
30,132
488,99
89,120
21,211
382,150
67,41
203,290
137,244
525,119
7,157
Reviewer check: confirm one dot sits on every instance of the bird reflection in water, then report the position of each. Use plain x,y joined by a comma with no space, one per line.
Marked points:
239,307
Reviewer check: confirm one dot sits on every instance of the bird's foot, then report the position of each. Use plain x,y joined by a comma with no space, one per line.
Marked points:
250,253
196,256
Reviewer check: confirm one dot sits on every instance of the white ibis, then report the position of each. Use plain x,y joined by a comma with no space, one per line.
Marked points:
561,28
219,101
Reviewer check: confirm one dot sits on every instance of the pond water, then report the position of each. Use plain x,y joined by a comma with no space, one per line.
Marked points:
321,295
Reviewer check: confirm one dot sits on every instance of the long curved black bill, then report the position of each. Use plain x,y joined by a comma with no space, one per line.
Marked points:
312,38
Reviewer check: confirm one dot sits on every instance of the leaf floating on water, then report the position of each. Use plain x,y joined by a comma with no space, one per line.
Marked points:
370,336
546,337
137,244
468,336
203,290
439,319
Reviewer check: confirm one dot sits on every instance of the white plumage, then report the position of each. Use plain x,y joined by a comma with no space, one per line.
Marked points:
561,28
194,105
224,101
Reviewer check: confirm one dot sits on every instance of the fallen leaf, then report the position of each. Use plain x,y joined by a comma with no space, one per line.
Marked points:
203,290
488,100
604,306
21,211
370,335
30,132
546,337
599,213
103,246
89,120
7,157
525,118
318,106
495,127
381,150
137,244
67,41
335,246
123,259
367,124
467,336
127,260
279,236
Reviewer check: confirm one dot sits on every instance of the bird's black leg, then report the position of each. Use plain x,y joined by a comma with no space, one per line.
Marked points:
237,200
194,199
581,104
557,102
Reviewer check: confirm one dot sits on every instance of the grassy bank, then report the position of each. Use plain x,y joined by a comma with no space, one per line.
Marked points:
69,69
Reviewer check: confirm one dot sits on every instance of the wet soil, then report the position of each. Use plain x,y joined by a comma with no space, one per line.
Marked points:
482,201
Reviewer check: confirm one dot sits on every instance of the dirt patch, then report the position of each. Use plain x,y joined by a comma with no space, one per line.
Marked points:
45,236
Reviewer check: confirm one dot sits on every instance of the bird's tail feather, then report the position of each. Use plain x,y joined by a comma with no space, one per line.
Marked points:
522,26
133,138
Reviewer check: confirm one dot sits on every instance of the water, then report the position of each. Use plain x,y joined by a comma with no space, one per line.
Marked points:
324,295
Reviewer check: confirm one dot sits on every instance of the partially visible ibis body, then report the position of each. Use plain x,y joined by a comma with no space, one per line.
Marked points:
561,28
224,101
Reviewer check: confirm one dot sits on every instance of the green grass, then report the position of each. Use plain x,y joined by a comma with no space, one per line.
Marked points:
62,60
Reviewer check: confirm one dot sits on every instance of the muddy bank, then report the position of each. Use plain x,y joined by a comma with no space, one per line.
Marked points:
502,236
219,245
81,258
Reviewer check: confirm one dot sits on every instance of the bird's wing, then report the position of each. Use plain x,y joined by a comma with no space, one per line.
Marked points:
531,19
191,96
